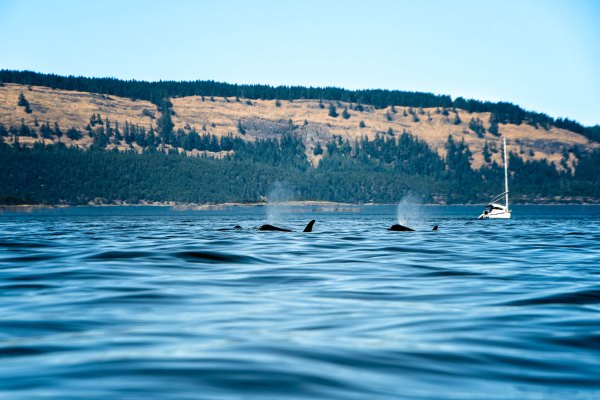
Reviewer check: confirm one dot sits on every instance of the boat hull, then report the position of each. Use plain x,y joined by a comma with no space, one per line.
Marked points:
498,215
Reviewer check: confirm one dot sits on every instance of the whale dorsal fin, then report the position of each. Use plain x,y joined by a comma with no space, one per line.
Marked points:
309,226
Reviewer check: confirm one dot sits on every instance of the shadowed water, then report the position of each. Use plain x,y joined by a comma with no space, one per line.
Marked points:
140,301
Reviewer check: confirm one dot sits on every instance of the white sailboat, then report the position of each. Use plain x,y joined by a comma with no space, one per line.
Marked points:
494,209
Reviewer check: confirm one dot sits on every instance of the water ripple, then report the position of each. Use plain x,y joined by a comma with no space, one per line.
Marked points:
131,303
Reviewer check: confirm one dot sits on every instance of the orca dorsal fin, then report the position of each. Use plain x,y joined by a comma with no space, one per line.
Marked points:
309,226
435,228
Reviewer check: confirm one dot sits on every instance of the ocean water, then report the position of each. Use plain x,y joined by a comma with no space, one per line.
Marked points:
139,302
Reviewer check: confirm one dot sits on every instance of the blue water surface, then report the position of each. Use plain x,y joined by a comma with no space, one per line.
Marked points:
139,302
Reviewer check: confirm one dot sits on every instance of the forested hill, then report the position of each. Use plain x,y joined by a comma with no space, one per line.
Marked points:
157,92
68,140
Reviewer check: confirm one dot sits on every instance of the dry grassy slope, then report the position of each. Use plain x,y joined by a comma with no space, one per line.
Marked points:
264,119
69,109
433,128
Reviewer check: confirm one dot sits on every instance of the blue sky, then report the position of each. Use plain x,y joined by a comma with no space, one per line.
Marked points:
542,55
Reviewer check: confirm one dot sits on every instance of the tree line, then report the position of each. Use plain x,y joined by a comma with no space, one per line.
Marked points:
383,169
157,92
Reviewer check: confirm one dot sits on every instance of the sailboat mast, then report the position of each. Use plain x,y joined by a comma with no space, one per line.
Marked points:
505,175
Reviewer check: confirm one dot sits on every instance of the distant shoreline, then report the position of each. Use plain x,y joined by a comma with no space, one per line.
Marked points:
220,206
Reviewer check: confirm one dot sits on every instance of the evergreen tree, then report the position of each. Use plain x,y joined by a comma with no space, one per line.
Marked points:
476,125
118,136
361,124
291,127
487,156
318,150
100,138
57,130
148,113
108,129
24,103
73,134
332,111
240,128
22,100
345,113
96,120
457,120
165,124
24,130
46,131
493,129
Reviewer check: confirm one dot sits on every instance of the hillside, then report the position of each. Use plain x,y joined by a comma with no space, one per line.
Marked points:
76,140
309,118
